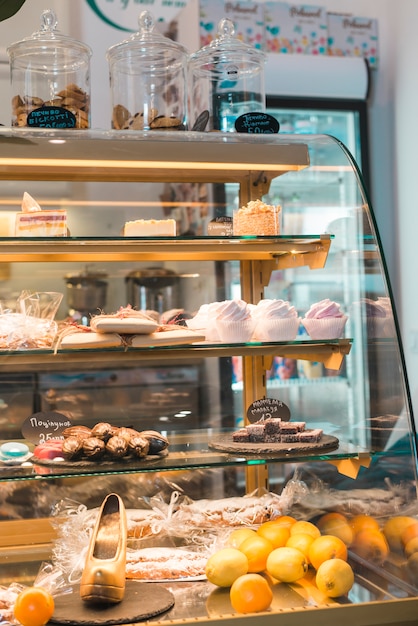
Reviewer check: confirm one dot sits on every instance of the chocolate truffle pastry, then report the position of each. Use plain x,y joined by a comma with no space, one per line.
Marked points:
138,446
103,578
157,441
94,448
117,447
72,448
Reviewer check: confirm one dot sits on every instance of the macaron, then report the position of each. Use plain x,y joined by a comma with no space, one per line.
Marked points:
13,449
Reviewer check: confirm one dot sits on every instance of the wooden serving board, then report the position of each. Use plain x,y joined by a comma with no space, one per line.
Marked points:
141,602
225,444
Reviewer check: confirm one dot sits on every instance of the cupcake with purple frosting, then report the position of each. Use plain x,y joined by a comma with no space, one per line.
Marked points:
325,320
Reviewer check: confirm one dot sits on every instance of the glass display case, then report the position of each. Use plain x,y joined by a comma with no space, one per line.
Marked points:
353,388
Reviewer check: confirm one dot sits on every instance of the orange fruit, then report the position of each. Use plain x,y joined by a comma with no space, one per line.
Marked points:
285,520
334,578
336,524
305,527
287,564
256,549
411,547
412,567
409,533
278,534
326,547
363,522
250,593
332,516
225,566
302,542
238,535
371,545
393,529
34,606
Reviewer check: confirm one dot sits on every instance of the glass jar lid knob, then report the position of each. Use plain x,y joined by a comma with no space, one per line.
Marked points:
145,22
226,28
49,21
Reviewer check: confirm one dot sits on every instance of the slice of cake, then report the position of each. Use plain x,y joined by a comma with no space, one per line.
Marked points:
33,221
150,228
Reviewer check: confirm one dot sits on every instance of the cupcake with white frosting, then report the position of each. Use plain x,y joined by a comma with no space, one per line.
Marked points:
234,321
276,320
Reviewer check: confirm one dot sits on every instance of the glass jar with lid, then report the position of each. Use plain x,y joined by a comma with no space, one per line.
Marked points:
226,80
148,80
50,78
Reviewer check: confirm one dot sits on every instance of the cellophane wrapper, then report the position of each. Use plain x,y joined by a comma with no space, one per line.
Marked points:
31,325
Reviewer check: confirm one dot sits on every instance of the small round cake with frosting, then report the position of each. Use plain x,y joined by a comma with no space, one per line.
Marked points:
234,321
276,320
377,313
325,320
257,218
205,321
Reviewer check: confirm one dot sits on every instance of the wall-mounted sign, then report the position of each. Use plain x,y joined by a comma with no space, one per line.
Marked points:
123,14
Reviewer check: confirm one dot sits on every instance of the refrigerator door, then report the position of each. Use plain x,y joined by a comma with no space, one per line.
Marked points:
322,94
345,120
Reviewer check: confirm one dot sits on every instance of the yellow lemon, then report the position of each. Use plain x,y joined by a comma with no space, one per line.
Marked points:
302,542
278,534
336,524
238,535
394,528
225,566
411,547
334,578
305,527
287,564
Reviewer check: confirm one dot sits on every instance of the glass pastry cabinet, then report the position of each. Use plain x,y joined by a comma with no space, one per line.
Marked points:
196,392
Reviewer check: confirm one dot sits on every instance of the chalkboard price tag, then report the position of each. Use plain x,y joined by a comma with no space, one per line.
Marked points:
51,117
45,425
257,124
221,227
267,408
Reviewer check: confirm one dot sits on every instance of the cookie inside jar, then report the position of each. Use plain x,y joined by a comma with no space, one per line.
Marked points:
148,81
50,79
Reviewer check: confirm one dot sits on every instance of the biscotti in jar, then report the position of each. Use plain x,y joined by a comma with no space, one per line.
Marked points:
257,218
50,79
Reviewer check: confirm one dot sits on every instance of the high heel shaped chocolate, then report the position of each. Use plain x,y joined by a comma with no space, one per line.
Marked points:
103,578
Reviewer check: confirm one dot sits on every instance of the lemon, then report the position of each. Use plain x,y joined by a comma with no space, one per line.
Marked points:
225,566
238,535
393,529
307,528
287,564
334,578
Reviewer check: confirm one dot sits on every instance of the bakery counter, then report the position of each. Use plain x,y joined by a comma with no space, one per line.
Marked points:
376,598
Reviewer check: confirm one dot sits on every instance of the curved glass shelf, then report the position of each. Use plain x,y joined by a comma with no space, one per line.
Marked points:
330,352
187,451
286,251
